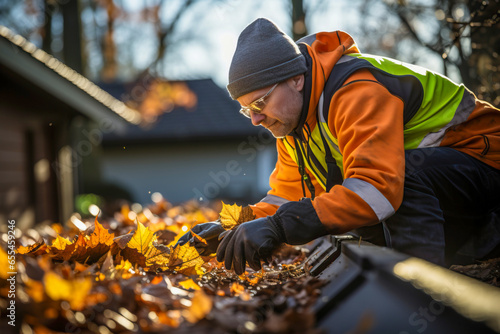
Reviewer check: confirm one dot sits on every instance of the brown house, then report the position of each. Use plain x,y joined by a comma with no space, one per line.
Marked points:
51,118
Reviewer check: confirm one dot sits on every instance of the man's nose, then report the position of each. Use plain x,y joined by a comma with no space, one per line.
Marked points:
256,118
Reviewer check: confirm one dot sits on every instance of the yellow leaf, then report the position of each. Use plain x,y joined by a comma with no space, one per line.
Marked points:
189,284
142,240
229,215
141,250
158,258
35,290
186,260
233,215
74,291
124,266
60,243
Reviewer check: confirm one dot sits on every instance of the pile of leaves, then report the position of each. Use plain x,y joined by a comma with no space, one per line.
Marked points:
125,274
486,271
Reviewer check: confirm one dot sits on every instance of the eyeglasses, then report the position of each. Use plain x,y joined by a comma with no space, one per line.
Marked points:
257,105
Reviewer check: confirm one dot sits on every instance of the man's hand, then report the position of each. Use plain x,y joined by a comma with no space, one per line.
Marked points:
208,231
250,242
294,223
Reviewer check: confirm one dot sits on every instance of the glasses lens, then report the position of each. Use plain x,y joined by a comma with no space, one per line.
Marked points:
245,112
257,105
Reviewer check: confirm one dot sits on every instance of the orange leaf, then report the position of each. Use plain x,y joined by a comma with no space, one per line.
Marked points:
86,249
200,239
200,307
100,236
4,264
239,290
37,248
189,284
35,290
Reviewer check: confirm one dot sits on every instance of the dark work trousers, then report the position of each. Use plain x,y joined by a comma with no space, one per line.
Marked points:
450,212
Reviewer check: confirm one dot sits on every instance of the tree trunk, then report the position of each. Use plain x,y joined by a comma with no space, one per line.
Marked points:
299,28
72,40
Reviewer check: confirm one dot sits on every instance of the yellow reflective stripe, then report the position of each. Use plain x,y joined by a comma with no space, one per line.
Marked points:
293,153
333,143
312,168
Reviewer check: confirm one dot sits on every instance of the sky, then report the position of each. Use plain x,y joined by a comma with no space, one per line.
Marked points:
217,30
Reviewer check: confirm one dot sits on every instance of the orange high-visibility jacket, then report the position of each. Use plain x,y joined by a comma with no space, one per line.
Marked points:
366,116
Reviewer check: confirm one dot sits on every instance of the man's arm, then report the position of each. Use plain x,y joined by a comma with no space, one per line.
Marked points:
368,122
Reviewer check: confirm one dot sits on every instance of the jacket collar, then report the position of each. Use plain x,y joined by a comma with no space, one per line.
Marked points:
306,94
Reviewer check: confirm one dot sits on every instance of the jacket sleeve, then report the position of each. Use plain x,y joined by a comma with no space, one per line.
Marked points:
368,122
285,184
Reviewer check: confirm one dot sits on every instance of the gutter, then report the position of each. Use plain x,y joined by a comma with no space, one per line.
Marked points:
374,289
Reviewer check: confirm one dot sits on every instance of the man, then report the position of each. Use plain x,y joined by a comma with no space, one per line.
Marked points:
397,154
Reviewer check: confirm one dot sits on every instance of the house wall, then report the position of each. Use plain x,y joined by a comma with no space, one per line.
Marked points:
30,138
233,170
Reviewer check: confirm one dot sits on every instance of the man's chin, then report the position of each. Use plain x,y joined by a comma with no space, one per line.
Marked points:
277,134
277,131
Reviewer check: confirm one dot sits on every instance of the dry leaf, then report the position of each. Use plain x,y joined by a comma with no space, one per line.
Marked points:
86,249
60,243
186,260
201,305
55,294
229,215
239,290
233,215
189,284
37,248
4,264
142,240
35,290
141,250
74,291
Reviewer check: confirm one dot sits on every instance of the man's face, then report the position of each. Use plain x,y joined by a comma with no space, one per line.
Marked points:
282,108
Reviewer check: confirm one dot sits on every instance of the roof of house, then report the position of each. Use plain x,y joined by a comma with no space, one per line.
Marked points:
214,115
23,60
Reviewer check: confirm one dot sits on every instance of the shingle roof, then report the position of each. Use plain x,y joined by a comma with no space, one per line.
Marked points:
215,116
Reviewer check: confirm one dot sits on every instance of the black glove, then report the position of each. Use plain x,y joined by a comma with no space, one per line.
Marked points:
208,231
294,223
249,242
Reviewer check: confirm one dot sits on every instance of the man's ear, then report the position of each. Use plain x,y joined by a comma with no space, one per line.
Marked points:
298,82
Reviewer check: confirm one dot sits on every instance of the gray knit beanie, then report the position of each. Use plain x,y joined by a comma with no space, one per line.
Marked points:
264,55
